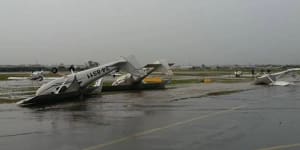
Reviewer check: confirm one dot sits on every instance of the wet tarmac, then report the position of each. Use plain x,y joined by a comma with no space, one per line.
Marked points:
172,119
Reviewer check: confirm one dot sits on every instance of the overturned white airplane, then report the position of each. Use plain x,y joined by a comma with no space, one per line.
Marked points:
73,85
138,80
137,76
79,84
273,79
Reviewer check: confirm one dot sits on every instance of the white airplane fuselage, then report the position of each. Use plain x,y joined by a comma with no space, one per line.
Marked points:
83,78
37,75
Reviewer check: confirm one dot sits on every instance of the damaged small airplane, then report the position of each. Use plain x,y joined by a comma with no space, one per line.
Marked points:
78,84
273,79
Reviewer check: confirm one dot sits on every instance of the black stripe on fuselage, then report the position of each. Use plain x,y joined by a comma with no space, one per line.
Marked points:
98,72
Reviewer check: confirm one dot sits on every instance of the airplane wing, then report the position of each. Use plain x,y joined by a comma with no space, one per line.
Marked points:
18,78
282,73
281,83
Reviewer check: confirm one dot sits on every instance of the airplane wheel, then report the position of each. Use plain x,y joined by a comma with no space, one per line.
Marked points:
54,70
72,68
40,78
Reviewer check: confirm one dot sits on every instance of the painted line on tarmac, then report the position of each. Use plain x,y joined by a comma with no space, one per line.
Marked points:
147,132
280,147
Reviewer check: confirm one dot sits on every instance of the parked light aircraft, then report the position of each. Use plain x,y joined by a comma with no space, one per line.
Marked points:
36,75
40,75
274,78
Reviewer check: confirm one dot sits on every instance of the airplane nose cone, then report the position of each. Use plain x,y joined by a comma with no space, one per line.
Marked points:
26,101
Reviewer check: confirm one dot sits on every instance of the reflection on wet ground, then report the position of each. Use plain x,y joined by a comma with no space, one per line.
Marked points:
12,89
258,118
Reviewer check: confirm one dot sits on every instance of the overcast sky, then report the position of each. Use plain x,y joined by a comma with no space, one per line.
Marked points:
182,31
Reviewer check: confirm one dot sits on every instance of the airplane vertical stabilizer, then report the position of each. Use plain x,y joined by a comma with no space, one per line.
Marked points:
132,66
164,68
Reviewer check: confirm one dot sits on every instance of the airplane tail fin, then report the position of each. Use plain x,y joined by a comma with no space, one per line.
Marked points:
132,66
164,67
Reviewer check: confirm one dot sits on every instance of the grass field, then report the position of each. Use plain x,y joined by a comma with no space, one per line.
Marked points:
202,73
197,77
5,76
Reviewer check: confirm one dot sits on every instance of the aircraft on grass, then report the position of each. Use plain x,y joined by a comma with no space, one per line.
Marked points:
274,78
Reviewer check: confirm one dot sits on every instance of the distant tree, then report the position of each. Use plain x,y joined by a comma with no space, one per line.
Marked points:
61,67
92,64
203,66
